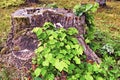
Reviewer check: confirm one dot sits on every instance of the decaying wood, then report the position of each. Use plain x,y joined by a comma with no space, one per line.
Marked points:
22,42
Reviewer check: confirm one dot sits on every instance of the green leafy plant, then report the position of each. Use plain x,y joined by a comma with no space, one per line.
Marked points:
106,49
87,10
58,51
53,5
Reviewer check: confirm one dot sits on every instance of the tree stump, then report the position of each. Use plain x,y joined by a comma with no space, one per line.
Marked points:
31,1
102,3
22,42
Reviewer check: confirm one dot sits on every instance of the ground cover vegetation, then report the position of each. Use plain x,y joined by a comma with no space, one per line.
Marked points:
105,42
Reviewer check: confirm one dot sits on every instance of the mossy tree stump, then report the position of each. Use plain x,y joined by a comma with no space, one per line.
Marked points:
22,42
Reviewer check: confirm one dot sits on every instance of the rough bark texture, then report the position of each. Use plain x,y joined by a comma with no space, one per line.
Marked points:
31,1
101,2
21,42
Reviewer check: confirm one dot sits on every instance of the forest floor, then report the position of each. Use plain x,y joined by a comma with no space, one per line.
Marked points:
107,21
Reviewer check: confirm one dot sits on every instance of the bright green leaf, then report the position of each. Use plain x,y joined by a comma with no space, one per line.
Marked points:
62,63
60,56
88,6
88,77
52,41
80,50
72,31
40,49
45,63
48,25
50,77
43,71
67,46
99,78
51,37
63,51
77,60
37,72
87,40
48,57
42,36
74,40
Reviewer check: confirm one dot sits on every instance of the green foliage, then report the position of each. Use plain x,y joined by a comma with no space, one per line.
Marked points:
104,17
104,71
61,52
53,5
108,50
87,10
8,3
37,78
107,69
58,49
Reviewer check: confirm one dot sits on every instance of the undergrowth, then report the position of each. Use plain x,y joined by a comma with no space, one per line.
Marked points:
55,56
106,42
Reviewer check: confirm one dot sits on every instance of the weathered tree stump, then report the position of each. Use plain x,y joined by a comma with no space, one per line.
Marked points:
22,42
31,1
102,3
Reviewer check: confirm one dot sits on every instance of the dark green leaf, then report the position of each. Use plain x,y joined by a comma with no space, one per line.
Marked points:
42,36
43,71
71,66
37,78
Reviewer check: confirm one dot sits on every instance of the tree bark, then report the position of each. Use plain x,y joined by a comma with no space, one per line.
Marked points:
31,1
101,2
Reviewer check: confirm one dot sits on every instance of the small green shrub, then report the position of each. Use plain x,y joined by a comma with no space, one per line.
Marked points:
87,10
108,51
58,51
